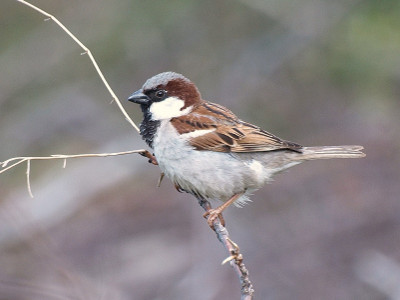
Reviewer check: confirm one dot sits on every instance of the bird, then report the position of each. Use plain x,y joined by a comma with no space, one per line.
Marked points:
207,151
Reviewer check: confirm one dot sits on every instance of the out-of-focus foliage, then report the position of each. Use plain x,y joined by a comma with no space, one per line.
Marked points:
316,72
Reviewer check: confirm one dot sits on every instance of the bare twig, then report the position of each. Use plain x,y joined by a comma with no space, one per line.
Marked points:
28,174
62,156
235,257
28,159
89,53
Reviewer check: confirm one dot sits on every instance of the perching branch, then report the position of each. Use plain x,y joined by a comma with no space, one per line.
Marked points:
235,258
89,53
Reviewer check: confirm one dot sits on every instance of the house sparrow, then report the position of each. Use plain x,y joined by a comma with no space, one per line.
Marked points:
209,152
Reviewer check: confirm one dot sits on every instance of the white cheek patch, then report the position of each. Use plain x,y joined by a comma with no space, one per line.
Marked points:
168,108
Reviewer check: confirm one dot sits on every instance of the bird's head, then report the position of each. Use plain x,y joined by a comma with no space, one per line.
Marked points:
167,95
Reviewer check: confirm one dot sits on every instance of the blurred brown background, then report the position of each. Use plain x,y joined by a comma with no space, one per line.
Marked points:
316,72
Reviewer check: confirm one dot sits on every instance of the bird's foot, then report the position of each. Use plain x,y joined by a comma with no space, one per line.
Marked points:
151,157
213,214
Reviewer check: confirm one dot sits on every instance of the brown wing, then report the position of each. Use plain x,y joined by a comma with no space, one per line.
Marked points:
224,132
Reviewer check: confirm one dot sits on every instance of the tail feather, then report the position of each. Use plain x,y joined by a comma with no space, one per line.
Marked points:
326,152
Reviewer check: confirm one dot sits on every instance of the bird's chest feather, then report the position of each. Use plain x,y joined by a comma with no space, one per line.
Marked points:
209,174
169,146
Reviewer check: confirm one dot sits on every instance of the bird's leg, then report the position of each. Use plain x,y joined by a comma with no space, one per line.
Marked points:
151,157
212,214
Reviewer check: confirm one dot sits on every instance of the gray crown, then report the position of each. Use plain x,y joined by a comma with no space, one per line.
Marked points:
162,79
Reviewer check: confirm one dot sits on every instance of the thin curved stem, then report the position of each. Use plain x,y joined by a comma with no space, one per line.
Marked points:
91,57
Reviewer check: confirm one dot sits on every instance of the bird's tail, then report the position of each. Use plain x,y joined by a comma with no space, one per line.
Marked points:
326,152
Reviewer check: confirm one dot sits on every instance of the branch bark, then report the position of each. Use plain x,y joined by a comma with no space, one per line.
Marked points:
235,258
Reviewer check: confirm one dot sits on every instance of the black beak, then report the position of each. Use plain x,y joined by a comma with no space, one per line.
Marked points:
139,98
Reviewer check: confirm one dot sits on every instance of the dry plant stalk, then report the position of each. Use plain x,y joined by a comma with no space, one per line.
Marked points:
28,159
89,53
235,258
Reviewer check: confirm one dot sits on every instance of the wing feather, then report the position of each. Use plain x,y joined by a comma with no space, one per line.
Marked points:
224,132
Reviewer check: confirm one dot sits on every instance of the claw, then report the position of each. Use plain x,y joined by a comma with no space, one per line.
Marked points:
151,157
211,215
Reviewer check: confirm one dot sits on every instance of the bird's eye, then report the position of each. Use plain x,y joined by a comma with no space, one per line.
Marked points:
160,93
